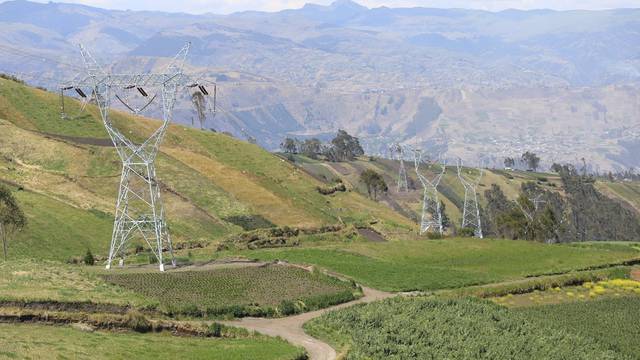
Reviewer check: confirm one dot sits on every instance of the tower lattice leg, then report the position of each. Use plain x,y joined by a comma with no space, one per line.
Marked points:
139,211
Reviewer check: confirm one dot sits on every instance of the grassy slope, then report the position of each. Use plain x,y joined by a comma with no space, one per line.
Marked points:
46,280
612,322
437,264
625,192
450,190
211,179
53,342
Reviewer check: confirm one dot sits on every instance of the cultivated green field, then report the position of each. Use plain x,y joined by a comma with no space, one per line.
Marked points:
255,291
421,328
610,322
54,342
448,263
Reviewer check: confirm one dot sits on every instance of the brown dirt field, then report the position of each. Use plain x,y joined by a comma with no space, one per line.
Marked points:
371,235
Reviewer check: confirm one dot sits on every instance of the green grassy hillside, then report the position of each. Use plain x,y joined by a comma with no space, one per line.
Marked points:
25,341
450,190
213,185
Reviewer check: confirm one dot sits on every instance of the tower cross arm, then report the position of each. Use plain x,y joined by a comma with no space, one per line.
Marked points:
123,80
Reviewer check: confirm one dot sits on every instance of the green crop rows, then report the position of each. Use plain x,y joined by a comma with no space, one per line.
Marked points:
256,291
420,328
613,322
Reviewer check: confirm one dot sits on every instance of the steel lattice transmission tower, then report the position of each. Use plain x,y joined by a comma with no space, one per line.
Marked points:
471,208
431,219
139,209
397,153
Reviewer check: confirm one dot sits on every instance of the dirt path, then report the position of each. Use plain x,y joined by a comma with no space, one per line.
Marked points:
290,328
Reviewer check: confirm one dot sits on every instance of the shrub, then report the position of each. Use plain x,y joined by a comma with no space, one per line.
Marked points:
215,330
466,232
137,322
434,235
287,308
340,187
89,259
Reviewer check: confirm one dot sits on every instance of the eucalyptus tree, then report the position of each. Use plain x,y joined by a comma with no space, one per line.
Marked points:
12,219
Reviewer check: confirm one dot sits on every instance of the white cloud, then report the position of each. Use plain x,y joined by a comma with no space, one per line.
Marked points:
228,6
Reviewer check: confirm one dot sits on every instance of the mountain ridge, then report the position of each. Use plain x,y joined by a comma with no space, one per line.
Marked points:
368,73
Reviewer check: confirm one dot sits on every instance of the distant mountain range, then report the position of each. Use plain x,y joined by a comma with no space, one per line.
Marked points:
470,83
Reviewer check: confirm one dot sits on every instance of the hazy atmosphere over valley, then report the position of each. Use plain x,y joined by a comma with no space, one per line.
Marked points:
464,82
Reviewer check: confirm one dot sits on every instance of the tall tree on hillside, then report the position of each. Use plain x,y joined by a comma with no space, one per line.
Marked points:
311,148
289,146
12,218
509,162
374,183
446,222
345,147
532,160
199,103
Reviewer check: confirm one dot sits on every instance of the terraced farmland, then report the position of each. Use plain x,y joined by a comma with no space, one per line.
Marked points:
269,290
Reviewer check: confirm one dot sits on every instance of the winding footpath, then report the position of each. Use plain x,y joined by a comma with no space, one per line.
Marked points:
290,328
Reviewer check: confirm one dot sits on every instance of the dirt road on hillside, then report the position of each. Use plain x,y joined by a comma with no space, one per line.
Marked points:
290,328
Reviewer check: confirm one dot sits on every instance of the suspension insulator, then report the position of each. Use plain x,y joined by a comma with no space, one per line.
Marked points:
80,92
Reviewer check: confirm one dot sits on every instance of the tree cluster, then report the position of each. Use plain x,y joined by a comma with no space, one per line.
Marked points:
528,160
532,216
343,147
582,214
374,182
593,215
310,148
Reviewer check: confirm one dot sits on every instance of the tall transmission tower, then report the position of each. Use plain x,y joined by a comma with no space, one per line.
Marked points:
471,208
139,210
397,153
431,219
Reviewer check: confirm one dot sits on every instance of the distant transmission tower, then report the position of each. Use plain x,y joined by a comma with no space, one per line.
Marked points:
139,209
431,219
471,209
397,153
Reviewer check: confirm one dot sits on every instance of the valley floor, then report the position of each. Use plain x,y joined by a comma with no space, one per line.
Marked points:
25,283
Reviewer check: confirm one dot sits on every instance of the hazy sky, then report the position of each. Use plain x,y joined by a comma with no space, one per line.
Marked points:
228,6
